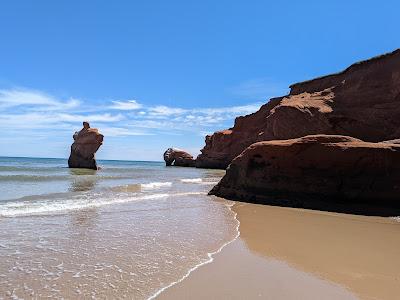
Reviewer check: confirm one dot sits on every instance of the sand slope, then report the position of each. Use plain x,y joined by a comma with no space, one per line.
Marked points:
286,253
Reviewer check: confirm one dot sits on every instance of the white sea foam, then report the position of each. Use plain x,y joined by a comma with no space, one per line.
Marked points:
155,185
192,180
189,194
199,181
45,207
210,182
42,207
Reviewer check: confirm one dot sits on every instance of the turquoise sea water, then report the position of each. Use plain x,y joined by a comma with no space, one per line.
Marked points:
39,176
128,230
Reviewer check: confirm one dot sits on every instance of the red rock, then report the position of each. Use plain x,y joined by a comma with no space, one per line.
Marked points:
179,158
86,143
363,101
328,172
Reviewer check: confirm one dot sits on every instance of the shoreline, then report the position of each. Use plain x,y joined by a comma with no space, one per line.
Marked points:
236,273
210,257
339,254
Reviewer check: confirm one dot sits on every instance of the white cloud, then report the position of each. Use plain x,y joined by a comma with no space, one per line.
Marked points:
28,121
239,110
23,97
166,118
33,113
204,133
162,110
150,124
106,117
126,105
51,121
119,132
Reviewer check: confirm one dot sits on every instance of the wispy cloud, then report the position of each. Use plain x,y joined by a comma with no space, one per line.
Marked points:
196,119
105,117
34,99
162,110
125,105
36,112
120,131
239,110
35,120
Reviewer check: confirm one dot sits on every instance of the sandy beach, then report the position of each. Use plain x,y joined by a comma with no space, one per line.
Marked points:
285,253
201,150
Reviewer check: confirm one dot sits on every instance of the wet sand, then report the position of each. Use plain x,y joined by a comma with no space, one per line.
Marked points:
286,253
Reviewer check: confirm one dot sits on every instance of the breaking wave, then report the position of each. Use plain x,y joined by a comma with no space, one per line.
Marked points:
155,185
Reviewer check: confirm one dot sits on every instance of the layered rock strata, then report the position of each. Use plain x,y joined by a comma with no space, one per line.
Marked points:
363,101
328,172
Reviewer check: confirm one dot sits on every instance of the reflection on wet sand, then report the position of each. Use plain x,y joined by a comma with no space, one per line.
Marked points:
358,252
81,182
83,219
237,273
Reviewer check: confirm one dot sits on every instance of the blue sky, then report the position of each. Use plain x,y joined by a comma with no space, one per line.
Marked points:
155,74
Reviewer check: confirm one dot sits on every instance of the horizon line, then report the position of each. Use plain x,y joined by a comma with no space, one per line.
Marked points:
5,156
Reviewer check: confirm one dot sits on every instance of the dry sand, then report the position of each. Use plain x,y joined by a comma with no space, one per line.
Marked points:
286,253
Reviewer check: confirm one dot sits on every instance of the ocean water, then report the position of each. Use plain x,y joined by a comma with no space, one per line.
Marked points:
129,230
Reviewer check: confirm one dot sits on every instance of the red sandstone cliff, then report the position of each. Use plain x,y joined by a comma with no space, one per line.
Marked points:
327,172
363,101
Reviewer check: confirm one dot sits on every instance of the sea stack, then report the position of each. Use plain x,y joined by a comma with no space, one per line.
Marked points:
178,158
86,142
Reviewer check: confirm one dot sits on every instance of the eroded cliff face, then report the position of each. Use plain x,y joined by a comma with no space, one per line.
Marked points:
363,101
86,143
327,172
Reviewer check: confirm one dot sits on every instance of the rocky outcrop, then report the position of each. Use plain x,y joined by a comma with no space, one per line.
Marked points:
179,158
327,172
363,101
86,143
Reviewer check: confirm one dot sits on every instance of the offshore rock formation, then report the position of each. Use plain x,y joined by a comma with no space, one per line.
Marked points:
328,172
363,101
86,143
179,158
